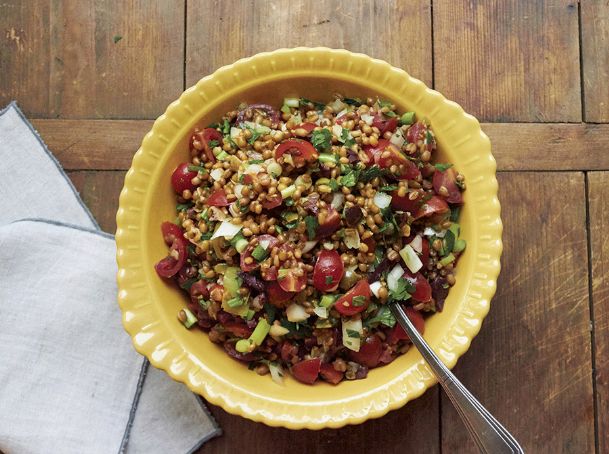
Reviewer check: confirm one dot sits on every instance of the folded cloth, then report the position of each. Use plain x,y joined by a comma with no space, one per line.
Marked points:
70,380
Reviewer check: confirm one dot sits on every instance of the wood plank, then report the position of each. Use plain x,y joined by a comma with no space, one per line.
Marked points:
409,429
396,31
598,191
92,59
100,190
531,363
512,60
110,144
595,59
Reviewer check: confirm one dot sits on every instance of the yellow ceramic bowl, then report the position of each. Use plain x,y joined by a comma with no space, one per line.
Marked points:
150,305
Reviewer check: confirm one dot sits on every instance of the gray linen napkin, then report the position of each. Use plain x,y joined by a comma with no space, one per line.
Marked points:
70,381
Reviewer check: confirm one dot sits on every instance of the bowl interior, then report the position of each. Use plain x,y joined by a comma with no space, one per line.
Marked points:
160,206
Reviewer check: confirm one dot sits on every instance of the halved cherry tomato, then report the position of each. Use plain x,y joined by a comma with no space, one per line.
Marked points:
278,296
169,267
204,137
269,274
272,201
369,352
239,329
302,152
344,304
425,252
181,179
198,290
328,271
405,204
307,371
247,267
170,232
385,125
307,126
290,282
422,290
409,170
329,374
397,332
448,179
435,205
416,132
373,150
217,199
330,224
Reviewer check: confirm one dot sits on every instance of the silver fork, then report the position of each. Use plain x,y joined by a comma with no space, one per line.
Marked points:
488,434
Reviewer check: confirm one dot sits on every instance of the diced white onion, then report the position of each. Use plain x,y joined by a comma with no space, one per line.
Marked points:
394,276
337,200
431,232
234,210
411,259
217,174
337,130
216,214
277,331
417,243
238,189
351,239
296,313
265,243
382,199
337,105
322,312
355,325
296,119
277,373
260,129
234,132
291,102
309,245
341,113
274,169
367,118
253,169
375,287
227,230
397,138
328,245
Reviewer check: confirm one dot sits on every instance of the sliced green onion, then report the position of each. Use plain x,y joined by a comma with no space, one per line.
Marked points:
243,346
459,245
288,192
447,260
407,118
235,302
327,300
259,253
222,155
327,158
187,318
260,332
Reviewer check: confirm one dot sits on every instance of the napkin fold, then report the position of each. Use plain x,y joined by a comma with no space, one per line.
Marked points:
70,380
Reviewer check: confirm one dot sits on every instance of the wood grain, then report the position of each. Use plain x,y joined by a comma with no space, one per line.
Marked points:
396,31
413,428
91,59
595,59
531,363
598,191
100,190
110,144
509,60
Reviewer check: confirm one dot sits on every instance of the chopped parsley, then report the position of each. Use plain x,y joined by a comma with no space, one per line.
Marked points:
207,235
213,143
358,301
429,137
235,302
442,167
255,135
383,103
226,127
304,102
346,138
296,330
288,203
402,292
353,101
322,139
187,284
389,188
312,224
390,221
183,206
382,317
350,178
329,280
352,333
333,185
255,161
371,173
271,312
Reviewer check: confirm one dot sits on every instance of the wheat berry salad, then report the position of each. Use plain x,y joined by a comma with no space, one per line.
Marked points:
296,226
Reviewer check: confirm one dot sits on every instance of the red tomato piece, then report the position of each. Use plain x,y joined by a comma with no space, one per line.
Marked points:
329,374
217,199
290,282
302,152
247,267
239,329
435,205
416,132
308,127
269,274
397,332
198,290
205,137
278,296
422,290
181,179
373,151
289,351
330,224
392,156
369,352
170,232
425,252
385,125
169,266
272,201
405,204
344,304
328,271
307,371
448,179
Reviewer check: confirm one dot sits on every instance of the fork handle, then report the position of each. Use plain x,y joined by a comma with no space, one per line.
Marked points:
488,434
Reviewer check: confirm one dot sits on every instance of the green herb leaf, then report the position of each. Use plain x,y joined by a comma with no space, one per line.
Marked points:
353,101
350,178
312,224
382,317
352,333
183,206
333,185
358,301
304,102
117,38
402,292
345,137
285,109
288,202
296,330
329,280
235,302
322,139
429,136
271,312
255,161
389,188
207,235
204,304
390,114
454,214
371,173
226,127
442,167
187,284
384,103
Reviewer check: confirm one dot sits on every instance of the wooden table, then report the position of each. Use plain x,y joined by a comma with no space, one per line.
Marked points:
93,74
